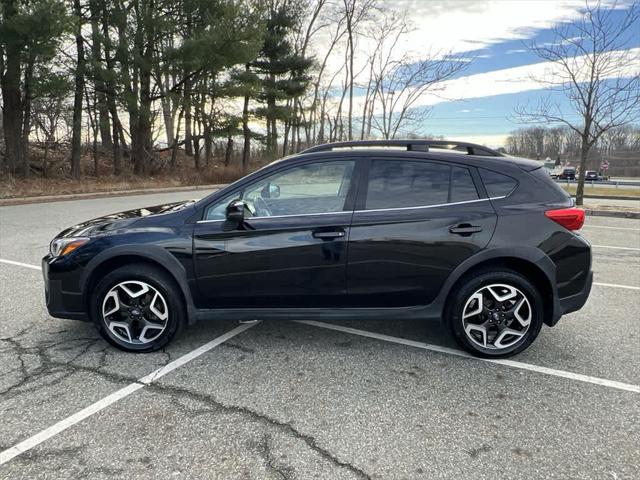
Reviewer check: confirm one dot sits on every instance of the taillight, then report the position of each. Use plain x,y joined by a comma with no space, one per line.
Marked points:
570,218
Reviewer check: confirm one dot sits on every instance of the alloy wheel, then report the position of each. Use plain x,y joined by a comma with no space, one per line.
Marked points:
135,312
497,316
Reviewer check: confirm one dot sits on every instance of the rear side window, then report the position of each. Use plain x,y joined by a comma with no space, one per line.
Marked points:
497,185
398,184
462,186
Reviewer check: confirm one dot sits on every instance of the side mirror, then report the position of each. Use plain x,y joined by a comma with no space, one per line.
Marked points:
270,190
235,211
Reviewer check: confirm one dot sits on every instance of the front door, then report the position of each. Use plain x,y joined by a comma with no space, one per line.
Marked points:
415,221
291,251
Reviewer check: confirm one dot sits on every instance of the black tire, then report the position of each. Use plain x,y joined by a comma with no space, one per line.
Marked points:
154,277
472,283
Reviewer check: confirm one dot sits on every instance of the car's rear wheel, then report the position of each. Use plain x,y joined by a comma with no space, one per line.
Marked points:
495,313
137,308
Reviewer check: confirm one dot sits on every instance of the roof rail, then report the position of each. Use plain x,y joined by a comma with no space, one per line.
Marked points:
410,145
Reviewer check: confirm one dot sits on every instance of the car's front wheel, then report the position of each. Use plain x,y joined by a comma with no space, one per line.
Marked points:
137,308
495,313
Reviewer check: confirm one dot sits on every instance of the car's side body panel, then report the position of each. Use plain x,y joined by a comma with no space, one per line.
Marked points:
272,262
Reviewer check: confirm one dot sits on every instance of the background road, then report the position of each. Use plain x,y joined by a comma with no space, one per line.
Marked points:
292,400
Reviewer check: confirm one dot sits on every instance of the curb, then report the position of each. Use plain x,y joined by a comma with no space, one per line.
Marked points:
611,197
611,213
5,202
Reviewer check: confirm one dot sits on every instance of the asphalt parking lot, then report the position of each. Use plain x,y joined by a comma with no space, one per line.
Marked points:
292,400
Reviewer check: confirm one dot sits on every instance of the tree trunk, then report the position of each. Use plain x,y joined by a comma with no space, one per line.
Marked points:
188,120
79,93
208,144
101,97
26,120
246,132
584,154
11,97
228,150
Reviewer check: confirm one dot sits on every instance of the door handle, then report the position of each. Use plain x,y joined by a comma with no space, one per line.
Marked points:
328,234
465,229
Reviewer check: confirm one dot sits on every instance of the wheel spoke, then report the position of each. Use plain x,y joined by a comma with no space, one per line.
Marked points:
516,313
506,332
122,325
144,288
149,326
161,312
112,295
510,293
477,309
482,329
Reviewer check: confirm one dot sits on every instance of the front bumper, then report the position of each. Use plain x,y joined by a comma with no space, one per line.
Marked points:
62,293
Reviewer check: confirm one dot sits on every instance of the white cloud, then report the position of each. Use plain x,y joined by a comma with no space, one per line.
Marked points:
508,81
463,25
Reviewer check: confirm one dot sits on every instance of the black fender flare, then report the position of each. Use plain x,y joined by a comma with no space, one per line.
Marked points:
531,255
151,253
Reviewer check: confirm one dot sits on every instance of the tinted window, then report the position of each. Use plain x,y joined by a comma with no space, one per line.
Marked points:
497,185
305,189
462,186
398,183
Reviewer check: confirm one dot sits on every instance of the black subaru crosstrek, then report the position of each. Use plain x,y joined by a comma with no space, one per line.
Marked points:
424,229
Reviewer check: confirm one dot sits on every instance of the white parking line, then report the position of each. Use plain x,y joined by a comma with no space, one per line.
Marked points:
20,264
452,351
62,425
616,248
615,285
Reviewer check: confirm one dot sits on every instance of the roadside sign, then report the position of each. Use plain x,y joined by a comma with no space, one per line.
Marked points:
604,165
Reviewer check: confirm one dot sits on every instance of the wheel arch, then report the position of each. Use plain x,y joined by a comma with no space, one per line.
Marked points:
119,256
531,263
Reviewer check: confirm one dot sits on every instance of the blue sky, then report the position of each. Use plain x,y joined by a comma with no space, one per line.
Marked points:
497,81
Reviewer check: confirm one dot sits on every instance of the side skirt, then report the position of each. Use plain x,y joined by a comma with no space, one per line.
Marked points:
420,312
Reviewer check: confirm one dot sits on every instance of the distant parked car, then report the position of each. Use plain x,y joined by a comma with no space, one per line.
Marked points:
592,175
568,173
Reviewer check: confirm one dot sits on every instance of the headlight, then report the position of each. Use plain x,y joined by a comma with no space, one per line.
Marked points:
61,246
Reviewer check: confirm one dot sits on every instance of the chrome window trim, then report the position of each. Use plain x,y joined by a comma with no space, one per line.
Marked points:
339,212
372,210
429,206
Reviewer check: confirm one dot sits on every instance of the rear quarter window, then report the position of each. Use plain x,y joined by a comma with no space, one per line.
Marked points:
497,184
543,176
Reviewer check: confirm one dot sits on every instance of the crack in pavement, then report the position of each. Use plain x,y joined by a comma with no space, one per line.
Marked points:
264,448
262,418
49,365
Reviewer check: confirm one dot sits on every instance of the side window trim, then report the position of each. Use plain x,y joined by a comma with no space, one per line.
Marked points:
364,185
418,207
347,207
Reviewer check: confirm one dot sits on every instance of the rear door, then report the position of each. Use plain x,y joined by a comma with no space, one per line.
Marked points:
291,252
415,221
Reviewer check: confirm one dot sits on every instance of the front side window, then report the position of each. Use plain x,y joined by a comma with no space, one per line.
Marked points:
302,190
399,184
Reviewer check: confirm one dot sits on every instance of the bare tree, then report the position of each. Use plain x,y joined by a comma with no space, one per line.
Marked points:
355,13
401,83
592,64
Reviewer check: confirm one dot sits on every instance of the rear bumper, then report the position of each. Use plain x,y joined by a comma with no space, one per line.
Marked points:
63,298
577,301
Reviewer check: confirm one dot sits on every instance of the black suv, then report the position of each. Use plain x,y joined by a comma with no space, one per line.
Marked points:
444,230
